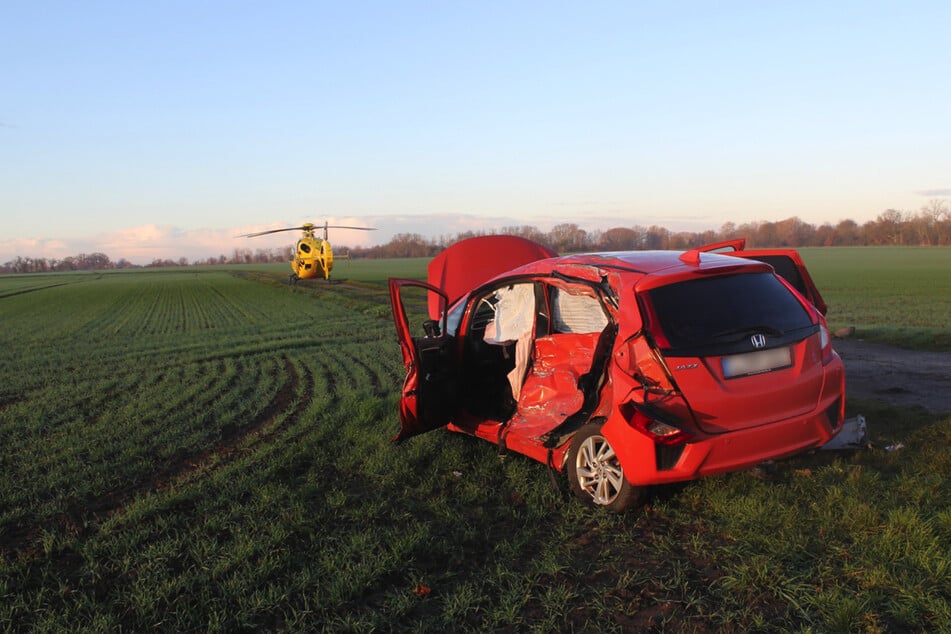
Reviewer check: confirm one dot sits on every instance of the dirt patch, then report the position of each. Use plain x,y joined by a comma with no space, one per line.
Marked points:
904,378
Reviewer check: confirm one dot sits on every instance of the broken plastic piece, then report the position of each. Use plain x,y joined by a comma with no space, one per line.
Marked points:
853,435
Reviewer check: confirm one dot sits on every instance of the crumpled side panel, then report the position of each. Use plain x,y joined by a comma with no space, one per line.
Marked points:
550,393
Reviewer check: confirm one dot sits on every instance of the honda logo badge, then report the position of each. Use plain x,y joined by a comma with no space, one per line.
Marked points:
758,341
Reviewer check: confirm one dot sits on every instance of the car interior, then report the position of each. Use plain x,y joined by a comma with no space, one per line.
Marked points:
531,343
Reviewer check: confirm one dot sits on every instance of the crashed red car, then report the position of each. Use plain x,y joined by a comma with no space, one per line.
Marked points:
625,369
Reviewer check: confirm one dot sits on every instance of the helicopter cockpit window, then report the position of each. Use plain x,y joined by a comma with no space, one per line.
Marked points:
303,246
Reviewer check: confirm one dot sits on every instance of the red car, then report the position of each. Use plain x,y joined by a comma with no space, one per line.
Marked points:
624,369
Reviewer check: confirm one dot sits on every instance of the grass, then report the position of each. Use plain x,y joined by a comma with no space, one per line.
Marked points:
895,295
362,270
209,450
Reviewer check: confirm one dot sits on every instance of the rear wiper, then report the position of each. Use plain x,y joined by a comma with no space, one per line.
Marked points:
739,333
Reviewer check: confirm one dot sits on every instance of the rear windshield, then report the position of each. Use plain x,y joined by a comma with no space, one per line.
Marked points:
717,310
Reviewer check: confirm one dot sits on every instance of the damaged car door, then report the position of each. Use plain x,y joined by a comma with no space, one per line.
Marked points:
431,386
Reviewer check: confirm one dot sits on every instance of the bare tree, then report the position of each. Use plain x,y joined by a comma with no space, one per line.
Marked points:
619,239
568,238
939,217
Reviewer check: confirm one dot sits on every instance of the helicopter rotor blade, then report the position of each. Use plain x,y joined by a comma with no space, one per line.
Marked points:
261,233
307,227
329,226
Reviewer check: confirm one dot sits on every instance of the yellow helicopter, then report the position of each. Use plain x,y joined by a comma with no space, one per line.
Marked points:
313,256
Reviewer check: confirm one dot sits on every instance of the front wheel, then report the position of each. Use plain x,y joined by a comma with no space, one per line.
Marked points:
595,475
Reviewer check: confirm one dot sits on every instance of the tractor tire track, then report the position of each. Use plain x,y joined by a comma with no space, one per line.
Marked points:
82,518
35,289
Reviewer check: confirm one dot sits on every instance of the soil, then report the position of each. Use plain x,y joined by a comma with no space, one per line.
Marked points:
904,378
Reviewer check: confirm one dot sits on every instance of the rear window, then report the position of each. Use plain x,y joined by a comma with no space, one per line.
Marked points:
719,310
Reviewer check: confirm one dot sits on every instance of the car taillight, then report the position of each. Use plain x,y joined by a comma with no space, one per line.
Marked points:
825,342
659,431
639,359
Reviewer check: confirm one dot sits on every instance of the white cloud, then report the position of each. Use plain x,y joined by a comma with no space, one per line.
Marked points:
34,248
142,244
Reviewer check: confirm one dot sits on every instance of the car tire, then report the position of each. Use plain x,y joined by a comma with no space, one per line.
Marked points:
596,476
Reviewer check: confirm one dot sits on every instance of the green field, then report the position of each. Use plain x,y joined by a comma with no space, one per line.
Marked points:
897,295
208,449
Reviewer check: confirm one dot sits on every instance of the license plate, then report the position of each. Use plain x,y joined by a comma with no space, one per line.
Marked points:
756,362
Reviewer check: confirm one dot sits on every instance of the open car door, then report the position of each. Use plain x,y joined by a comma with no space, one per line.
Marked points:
431,386
786,262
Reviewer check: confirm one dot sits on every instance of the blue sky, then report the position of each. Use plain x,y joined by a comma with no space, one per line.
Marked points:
165,128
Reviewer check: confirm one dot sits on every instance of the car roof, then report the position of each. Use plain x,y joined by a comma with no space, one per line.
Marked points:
674,263
468,264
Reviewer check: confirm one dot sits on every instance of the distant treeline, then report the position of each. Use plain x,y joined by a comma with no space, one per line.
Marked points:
929,227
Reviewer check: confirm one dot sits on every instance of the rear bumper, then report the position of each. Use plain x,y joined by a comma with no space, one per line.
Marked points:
732,451
742,450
